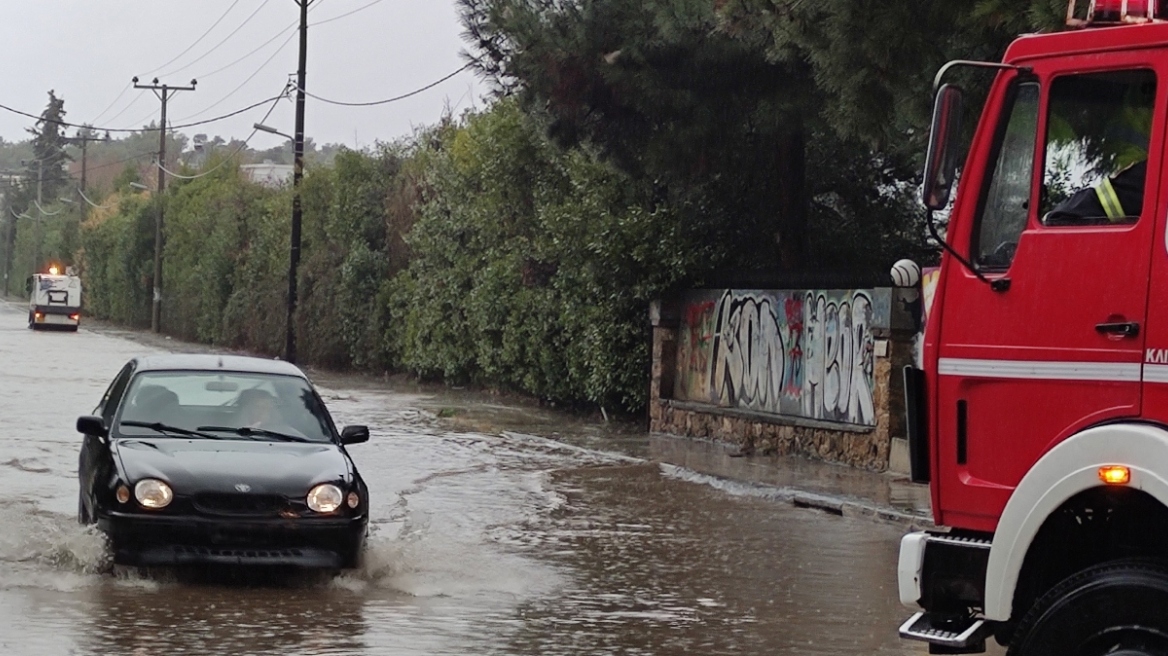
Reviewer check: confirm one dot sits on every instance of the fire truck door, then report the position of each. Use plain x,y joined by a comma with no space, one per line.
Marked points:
1063,224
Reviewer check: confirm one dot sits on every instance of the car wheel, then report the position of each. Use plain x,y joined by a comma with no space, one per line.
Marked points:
1114,608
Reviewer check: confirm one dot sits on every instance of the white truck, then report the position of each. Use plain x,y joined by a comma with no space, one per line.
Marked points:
54,300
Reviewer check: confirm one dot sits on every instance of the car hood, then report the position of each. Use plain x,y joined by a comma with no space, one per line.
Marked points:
194,466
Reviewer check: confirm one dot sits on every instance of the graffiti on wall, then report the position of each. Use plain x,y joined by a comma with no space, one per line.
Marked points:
801,353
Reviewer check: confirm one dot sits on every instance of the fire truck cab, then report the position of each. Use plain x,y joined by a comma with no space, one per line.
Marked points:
1039,414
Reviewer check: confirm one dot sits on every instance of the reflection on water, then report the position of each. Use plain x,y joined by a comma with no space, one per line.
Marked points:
173,618
661,566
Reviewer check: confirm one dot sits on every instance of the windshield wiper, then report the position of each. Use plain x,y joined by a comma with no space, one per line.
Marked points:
164,428
247,431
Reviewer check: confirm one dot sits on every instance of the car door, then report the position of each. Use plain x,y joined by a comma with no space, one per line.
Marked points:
1057,344
95,462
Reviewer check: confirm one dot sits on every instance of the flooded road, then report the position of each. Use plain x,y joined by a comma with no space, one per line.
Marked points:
483,541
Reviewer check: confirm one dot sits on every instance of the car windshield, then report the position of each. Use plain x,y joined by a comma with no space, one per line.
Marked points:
198,404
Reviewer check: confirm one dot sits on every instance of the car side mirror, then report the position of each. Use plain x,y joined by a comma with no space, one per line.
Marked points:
354,434
941,159
91,425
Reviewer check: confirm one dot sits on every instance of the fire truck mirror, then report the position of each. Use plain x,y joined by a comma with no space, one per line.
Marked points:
940,162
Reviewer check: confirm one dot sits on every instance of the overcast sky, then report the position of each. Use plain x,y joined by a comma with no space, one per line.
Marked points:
88,51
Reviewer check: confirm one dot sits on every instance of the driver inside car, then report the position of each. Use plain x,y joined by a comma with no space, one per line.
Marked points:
257,409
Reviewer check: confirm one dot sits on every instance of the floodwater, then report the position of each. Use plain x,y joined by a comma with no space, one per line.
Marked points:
486,539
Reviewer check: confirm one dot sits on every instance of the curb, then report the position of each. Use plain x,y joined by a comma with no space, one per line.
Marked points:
833,505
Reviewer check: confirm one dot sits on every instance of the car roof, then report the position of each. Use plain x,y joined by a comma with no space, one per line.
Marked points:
211,362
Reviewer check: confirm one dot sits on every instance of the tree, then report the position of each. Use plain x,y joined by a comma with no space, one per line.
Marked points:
670,98
48,147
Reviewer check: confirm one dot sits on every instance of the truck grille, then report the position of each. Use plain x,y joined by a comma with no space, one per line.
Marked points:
239,504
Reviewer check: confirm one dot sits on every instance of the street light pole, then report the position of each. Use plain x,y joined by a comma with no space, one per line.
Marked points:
156,310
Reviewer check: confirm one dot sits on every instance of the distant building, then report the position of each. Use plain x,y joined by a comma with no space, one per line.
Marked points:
269,173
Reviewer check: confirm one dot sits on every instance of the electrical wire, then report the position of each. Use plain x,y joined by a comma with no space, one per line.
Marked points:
115,101
225,159
225,39
100,166
312,6
43,211
192,124
93,204
387,100
197,41
348,13
244,83
143,121
257,49
126,108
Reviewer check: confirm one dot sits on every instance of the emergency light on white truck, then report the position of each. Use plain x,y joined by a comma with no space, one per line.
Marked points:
54,300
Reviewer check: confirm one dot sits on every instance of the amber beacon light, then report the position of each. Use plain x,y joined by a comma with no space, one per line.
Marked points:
1115,475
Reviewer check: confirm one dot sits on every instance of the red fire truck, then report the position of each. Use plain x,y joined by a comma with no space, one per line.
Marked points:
1039,414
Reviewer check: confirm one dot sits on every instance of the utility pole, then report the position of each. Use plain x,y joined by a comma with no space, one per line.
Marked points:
83,139
156,311
10,240
36,258
297,174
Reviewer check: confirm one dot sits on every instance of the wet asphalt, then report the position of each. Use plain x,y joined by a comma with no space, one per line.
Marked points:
497,527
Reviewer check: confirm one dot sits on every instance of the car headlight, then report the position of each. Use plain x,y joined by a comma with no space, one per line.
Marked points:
325,498
153,493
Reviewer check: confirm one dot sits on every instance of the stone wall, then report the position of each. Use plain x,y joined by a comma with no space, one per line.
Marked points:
784,382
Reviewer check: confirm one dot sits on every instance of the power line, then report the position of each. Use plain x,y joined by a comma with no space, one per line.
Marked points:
93,204
43,213
102,166
226,159
261,67
225,39
198,40
257,49
348,13
131,130
128,106
244,83
388,100
115,101
147,117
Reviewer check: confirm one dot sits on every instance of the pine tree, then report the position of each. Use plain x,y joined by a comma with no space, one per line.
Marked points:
49,156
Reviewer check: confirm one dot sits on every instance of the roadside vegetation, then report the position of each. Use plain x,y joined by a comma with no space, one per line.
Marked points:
632,150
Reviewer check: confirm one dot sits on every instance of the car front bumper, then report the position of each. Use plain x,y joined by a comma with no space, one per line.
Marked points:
160,540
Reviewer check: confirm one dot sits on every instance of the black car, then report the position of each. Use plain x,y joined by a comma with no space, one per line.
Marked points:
208,459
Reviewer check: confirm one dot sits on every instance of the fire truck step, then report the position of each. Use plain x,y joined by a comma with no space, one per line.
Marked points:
953,635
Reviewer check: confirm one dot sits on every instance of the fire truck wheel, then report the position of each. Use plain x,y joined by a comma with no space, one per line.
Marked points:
1114,608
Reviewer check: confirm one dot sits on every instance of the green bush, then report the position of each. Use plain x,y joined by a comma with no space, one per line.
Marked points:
533,268
211,224
116,260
